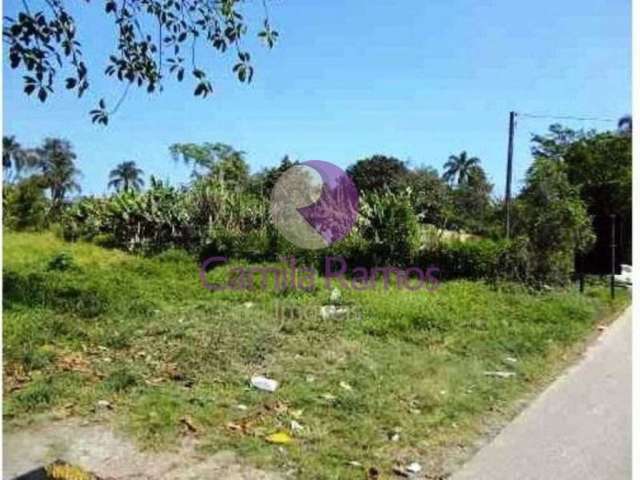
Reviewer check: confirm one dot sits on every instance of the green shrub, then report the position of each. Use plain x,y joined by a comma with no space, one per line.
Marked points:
51,290
221,243
207,217
390,226
86,302
354,248
480,259
105,240
555,220
38,394
25,206
85,219
148,222
61,262
255,246
121,380
38,358
175,255
514,261
474,259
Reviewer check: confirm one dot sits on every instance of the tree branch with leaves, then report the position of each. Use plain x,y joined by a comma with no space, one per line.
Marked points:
156,41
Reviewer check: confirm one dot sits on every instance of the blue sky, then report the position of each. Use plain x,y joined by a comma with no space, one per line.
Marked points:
419,80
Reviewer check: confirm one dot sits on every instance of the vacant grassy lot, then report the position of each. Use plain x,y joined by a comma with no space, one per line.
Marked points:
401,378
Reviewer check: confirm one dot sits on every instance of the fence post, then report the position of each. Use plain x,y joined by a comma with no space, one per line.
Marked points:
581,272
613,255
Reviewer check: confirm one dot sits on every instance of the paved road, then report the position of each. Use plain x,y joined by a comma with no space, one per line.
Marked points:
579,428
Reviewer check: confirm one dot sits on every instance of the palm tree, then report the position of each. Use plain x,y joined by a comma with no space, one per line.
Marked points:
55,158
217,160
625,124
14,157
199,157
230,165
11,149
459,166
126,176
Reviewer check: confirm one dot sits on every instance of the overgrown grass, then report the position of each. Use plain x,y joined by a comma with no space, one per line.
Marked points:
400,378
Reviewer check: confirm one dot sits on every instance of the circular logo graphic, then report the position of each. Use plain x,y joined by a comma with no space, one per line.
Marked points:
314,204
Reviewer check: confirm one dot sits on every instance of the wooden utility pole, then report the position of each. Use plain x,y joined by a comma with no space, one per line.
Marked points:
507,196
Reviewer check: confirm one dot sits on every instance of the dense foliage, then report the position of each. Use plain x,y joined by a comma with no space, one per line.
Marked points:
407,216
51,168
156,41
554,219
164,217
599,166
378,173
24,205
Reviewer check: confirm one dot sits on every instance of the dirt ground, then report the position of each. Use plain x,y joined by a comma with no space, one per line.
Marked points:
98,449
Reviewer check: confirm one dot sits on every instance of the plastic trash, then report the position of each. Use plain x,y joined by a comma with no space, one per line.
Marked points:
296,427
264,383
328,312
500,374
280,438
346,386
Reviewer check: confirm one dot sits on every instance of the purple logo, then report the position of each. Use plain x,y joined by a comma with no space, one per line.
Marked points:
314,204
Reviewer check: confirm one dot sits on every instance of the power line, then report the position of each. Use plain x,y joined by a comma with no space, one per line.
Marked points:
626,119
512,126
567,117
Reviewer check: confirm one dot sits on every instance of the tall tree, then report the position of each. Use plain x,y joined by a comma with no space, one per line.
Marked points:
625,125
126,176
459,167
199,157
262,183
11,151
555,143
55,159
15,159
601,167
215,160
156,40
430,196
377,173
598,165
25,205
230,166
555,220
472,203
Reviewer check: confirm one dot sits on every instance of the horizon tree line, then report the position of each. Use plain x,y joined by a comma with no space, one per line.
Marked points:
458,199
55,162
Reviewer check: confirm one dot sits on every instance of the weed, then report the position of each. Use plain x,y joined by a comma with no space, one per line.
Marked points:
121,379
36,395
159,346
61,261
